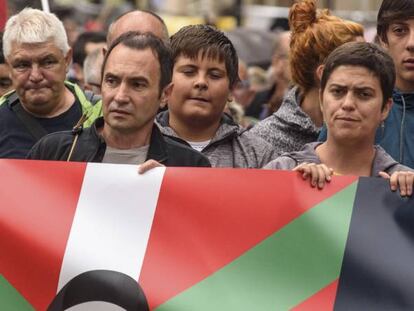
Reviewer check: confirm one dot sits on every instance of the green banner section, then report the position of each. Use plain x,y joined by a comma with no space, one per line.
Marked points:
10,298
283,270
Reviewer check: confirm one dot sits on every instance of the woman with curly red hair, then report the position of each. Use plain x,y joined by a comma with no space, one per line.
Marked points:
314,35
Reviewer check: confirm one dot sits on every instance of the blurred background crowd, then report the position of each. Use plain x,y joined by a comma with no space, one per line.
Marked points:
257,28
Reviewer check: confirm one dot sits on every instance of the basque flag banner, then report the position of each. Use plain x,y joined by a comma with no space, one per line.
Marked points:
3,14
101,237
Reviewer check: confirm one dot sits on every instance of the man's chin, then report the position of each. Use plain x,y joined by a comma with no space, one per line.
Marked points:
119,125
39,98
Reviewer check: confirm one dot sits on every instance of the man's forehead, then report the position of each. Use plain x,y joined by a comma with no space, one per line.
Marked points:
138,59
200,57
137,21
30,47
408,20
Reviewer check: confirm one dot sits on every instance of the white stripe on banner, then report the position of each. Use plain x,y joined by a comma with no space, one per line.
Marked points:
113,220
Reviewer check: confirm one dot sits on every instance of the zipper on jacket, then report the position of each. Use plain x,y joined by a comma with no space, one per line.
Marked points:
402,127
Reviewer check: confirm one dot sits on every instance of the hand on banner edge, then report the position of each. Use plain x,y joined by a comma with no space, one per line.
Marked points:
318,174
403,180
148,165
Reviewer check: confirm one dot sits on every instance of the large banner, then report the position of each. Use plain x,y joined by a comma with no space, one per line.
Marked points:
175,239
3,14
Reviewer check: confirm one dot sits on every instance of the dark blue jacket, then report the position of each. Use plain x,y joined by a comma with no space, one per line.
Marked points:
396,135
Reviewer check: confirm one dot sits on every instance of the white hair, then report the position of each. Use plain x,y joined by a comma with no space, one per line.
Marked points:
34,26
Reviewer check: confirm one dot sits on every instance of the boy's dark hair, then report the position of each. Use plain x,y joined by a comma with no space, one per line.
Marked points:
79,53
367,55
393,11
189,41
141,41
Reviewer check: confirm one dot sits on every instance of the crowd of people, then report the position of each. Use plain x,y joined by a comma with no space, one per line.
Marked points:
335,104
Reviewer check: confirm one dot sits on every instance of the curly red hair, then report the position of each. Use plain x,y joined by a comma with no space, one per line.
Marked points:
315,34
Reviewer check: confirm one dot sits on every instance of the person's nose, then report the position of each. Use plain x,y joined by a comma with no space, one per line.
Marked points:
35,73
121,95
410,41
201,82
348,102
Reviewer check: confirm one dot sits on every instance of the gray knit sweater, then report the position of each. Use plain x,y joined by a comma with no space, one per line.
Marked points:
231,146
383,162
289,128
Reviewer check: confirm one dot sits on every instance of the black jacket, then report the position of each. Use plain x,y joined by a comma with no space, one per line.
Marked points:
90,147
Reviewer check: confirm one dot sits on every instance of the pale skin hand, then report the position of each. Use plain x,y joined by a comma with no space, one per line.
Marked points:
148,165
403,180
318,174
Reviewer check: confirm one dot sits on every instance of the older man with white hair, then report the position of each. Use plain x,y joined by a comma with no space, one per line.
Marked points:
36,48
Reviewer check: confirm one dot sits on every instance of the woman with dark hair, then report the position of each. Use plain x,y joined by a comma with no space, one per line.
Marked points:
356,88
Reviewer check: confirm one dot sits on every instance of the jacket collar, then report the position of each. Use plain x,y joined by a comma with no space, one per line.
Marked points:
382,161
157,147
228,128
291,113
403,99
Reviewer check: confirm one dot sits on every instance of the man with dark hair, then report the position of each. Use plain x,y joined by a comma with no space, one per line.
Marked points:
86,43
136,70
142,21
204,74
6,84
395,28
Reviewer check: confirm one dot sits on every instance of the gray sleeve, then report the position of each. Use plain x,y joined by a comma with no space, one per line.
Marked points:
398,167
269,154
281,163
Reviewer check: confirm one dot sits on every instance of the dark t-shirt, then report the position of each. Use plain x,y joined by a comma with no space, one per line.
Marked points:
15,139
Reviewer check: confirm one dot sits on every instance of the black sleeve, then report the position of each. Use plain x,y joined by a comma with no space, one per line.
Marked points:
54,146
36,152
203,162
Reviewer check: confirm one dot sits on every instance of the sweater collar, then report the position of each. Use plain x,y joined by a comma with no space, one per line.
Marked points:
157,147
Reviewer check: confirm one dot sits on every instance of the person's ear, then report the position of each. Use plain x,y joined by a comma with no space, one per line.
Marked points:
68,59
168,90
382,43
386,109
319,72
230,96
321,106
321,99
165,94
78,73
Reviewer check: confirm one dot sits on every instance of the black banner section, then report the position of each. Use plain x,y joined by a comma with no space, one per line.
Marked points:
378,268
101,285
